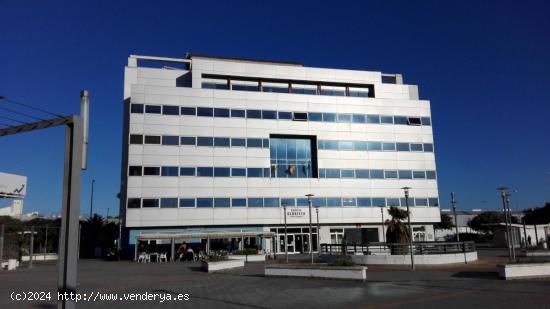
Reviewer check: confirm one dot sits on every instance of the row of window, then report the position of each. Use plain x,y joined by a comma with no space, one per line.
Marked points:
208,141
278,115
208,202
288,87
258,172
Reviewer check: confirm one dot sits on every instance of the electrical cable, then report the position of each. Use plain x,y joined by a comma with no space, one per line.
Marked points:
30,106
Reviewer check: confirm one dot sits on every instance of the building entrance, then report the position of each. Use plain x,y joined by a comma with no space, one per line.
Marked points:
297,239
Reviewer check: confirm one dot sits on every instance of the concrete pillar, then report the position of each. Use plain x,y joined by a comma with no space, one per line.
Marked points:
173,254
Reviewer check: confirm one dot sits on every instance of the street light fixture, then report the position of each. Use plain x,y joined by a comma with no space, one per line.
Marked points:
453,203
286,237
506,206
382,215
318,231
310,227
406,190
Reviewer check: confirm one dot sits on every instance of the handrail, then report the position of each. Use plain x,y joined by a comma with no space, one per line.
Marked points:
419,248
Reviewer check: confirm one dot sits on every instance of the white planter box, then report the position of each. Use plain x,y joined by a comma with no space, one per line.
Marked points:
221,265
249,258
524,271
327,272
428,259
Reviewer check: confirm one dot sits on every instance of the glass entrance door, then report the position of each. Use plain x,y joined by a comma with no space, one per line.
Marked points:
290,243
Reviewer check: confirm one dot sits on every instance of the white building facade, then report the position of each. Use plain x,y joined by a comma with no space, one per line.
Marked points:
214,144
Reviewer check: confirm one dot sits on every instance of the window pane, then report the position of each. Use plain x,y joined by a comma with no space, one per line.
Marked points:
238,142
285,115
419,174
318,202
187,202
204,202
433,201
430,175
405,174
386,119
421,201
168,202
238,172
348,201
170,140
289,202
221,141
428,147
205,141
426,121
301,202
392,201
222,171
377,174
205,111
136,108
152,109
364,202
266,114
329,117
334,202
357,118
332,173
187,171
344,118
134,203
253,113
360,145
416,147
345,145
205,171
299,116
255,202
364,174
403,147
400,120
373,119
169,171
331,145
136,139
237,113
378,201
238,202
150,202
391,174
221,112
244,87
170,110
265,143
255,172
315,116
191,111
222,202
271,202
151,171
348,173
188,140
149,139
414,121
134,171
373,146
254,142
388,146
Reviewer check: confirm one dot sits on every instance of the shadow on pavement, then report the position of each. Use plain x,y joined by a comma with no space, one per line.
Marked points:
490,275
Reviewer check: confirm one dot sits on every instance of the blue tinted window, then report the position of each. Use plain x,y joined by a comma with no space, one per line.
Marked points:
222,202
152,109
345,145
271,202
188,111
221,112
222,171
170,140
430,174
421,201
265,143
255,202
289,202
238,172
329,117
205,202
426,121
244,87
414,121
187,171
348,201
210,85
135,170
150,202
319,201
279,89
378,201
254,142
416,147
348,173
358,118
322,173
285,115
238,142
168,202
253,113
151,171
332,173
237,113
136,108
433,202
221,141
205,111
205,141
403,147
169,171
373,119
374,146
392,201
302,202
269,114
377,174
388,146
187,202
400,120
255,172
331,145
360,145
428,147
238,202
297,116
386,119
419,174
404,201
315,117
405,174
188,140
391,174
170,110
205,171
364,202
344,118
360,173
334,202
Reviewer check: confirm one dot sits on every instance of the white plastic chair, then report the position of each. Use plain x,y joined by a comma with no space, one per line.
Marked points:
163,258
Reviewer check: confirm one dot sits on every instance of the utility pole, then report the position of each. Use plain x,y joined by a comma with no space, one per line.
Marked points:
505,205
382,214
92,199
286,236
318,231
411,248
453,203
310,227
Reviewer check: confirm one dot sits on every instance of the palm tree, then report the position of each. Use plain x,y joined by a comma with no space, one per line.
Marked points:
397,232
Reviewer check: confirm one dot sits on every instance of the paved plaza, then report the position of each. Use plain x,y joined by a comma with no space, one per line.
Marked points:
459,286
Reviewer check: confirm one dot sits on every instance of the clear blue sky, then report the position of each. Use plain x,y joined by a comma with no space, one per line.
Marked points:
484,66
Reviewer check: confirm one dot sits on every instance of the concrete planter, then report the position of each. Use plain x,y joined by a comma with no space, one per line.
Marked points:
387,259
221,265
317,271
248,258
524,271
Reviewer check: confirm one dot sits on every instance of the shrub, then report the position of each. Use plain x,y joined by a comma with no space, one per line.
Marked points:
249,251
342,262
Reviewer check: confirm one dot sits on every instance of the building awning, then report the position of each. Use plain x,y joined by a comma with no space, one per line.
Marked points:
204,235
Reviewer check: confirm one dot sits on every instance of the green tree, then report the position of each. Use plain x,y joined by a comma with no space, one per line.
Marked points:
397,232
445,224
486,221
539,215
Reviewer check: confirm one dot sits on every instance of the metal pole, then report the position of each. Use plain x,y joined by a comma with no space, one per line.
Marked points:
512,233
382,214
310,227
453,202
1,243
318,230
524,233
173,248
119,245
410,229
31,247
503,194
46,243
92,199
286,237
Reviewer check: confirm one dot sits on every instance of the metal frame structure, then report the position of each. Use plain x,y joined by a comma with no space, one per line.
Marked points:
76,142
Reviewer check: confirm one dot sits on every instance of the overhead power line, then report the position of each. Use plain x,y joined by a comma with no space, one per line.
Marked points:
19,113
30,106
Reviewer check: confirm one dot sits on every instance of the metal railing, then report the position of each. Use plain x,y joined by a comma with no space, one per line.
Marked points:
420,248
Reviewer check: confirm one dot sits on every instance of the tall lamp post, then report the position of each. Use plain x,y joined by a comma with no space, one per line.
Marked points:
318,231
286,237
453,203
92,199
310,227
506,206
406,189
382,215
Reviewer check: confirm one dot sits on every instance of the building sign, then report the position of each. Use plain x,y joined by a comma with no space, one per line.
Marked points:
296,212
12,186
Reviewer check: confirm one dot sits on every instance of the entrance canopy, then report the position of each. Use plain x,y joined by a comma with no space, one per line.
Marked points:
204,235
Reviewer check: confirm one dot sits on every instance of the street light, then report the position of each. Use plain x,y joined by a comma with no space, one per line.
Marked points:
406,189
286,237
318,231
453,203
310,233
382,214
506,206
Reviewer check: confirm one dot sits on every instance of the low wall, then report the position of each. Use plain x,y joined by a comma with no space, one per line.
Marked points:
428,259
524,271
221,265
248,258
40,257
317,271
